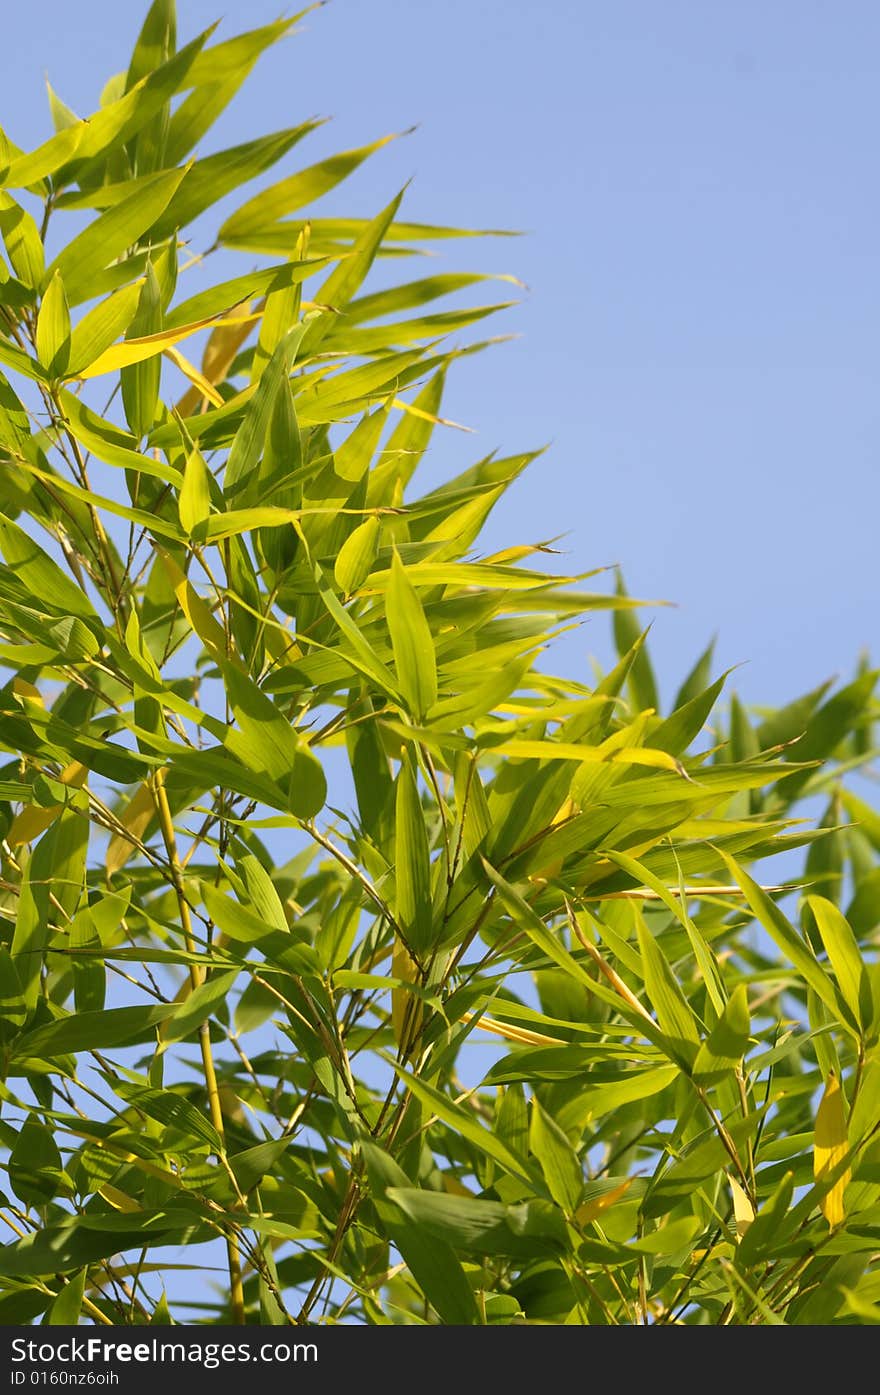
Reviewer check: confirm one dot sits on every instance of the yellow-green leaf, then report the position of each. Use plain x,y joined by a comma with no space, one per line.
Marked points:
831,1143
412,643
849,968
113,233
194,504
356,556
296,191
53,329
101,326
412,863
23,241
559,1162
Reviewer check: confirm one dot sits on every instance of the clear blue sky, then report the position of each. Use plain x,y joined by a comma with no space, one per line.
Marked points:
700,188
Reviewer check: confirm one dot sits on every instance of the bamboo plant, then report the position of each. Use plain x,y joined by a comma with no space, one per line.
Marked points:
344,944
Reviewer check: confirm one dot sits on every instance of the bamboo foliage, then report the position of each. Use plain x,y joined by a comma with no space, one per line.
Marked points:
341,938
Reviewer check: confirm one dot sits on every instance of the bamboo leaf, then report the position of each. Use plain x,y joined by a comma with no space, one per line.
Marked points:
559,1162
412,643
194,504
53,329
111,234
843,951
412,863
830,1147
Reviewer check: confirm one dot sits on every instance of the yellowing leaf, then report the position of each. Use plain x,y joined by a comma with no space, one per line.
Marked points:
120,1201
830,1147
567,810
223,344
406,1010
566,750
34,820
197,611
198,380
743,1210
102,325
136,350
590,1211
522,1035
135,819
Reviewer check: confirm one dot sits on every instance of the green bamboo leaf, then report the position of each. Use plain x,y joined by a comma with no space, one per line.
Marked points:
35,1169
357,556
266,742
124,113
512,1119
216,75
674,1014
23,242
862,814
26,170
13,1008
849,967
171,1109
251,1164
93,1031
530,1230
344,281
796,950
237,921
110,443
89,974
156,42
296,191
211,179
67,1307
185,1018
241,466
628,636
140,381
214,300
412,643
41,575
559,1162
407,443
728,1041
84,1239
676,733
757,1241
22,362
31,934
430,1259
194,504
53,329
828,726
102,326
698,679
342,232
463,1123
412,863
83,259
262,891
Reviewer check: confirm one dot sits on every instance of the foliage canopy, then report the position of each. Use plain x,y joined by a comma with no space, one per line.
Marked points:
294,814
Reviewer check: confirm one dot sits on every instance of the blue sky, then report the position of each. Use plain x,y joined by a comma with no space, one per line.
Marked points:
699,188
